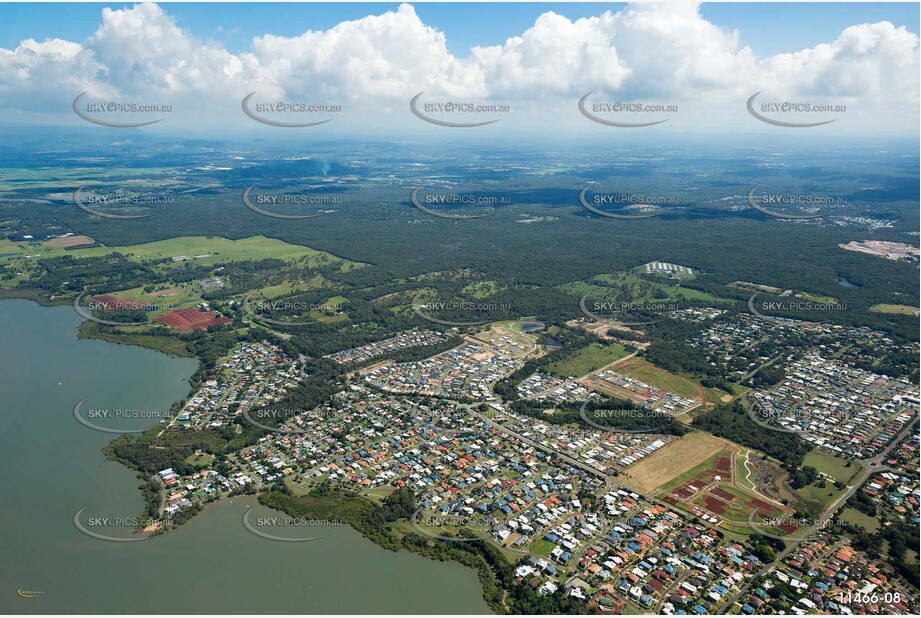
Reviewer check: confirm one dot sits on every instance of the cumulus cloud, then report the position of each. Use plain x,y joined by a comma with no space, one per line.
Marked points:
866,60
387,56
556,56
145,52
649,51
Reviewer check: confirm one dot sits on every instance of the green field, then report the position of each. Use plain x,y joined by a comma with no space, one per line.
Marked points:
894,309
833,466
213,249
853,516
692,473
589,359
650,374
220,250
818,496
282,289
542,547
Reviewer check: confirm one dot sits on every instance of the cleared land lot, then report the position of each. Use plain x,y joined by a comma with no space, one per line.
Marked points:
894,309
607,388
215,249
201,250
650,374
589,359
853,516
69,241
670,462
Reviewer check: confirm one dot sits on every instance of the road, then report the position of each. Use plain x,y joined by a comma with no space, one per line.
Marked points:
870,467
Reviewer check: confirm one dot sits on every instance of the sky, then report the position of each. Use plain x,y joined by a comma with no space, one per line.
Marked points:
768,28
538,58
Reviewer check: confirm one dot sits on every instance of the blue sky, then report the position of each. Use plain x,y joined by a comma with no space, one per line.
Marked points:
542,61
768,28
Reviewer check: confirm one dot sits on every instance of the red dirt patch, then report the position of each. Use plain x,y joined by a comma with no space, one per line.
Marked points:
714,506
187,320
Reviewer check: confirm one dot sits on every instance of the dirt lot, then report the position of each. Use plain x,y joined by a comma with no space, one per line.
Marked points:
673,460
70,241
187,320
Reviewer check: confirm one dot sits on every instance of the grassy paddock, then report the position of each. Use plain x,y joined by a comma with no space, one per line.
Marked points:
680,460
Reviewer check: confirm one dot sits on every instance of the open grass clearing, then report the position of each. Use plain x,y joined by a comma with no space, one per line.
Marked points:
646,372
836,467
679,461
588,359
